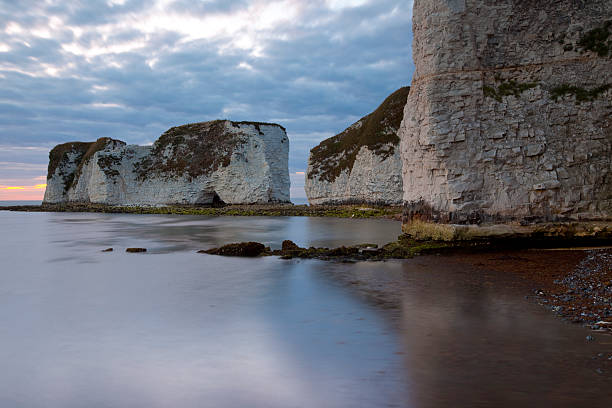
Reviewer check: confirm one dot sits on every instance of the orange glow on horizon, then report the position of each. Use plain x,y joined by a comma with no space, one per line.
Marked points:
22,193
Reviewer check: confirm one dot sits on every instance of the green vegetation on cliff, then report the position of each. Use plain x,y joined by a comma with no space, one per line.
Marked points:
194,149
506,89
597,40
581,94
59,156
516,89
92,149
377,131
258,124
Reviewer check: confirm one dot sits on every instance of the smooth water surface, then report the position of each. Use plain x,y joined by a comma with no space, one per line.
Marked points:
8,203
173,328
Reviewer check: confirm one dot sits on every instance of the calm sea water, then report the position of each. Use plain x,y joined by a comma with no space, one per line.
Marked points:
6,203
299,200
173,328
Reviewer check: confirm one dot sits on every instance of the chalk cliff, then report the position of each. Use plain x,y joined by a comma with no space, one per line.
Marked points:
509,117
362,164
200,163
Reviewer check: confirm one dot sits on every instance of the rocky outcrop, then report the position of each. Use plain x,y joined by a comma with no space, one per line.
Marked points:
200,163
509,118
361,164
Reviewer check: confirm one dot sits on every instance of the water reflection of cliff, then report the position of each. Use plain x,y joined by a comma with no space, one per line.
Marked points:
471,339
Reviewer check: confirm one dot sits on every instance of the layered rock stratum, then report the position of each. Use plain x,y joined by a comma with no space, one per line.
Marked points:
362,164
200,163
509,118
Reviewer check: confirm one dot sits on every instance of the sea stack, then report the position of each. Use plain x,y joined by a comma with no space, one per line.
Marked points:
362,164
195,164
509,117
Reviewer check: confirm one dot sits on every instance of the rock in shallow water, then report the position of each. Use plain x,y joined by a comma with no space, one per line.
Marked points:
289,245
401,249
243,249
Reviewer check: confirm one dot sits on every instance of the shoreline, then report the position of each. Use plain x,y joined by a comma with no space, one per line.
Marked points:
574,283
242,210
539,279
581,294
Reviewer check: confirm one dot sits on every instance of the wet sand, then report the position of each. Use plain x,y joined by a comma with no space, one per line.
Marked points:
523,353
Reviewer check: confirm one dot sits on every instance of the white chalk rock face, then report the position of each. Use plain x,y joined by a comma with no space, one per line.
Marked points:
509,116
361,164
374,179
201,163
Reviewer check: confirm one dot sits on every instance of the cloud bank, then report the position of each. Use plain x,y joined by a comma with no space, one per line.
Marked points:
130,69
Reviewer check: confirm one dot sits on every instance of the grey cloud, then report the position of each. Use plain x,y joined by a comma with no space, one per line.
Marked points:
94,12
210,6
329,70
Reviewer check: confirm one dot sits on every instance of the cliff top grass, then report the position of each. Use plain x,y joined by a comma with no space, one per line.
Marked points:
59,154
84,151
378,132
258,124
194,149
92,149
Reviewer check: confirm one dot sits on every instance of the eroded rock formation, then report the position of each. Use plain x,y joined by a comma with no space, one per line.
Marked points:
200,163
509,118
362,164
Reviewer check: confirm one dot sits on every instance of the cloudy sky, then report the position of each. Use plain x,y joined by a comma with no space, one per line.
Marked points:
130,69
